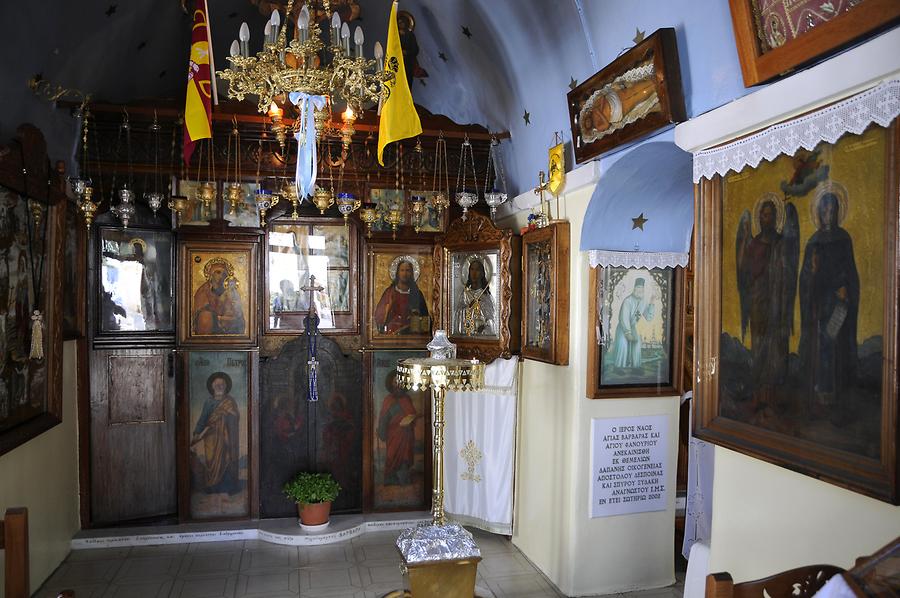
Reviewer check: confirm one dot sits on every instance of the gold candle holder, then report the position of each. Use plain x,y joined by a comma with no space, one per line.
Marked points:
438,375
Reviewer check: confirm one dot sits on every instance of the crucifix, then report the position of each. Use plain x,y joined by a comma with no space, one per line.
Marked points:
311,325
543,185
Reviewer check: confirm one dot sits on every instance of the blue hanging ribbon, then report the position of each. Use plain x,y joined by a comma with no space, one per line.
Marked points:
306,141
311,323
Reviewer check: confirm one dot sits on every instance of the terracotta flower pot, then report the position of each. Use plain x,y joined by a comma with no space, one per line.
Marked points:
314,513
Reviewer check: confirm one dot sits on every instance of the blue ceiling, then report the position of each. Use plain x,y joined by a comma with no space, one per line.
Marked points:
521,56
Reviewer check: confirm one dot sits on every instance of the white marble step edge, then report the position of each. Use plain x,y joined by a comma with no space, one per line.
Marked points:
300,538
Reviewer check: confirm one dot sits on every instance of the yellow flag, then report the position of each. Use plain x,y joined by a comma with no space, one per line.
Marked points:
399,119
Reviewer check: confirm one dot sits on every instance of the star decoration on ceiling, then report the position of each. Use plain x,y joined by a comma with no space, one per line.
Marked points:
638,222
162,74
232,15
466,32
527,117
111,10
142,45
442,56
573,83
422,81
638,36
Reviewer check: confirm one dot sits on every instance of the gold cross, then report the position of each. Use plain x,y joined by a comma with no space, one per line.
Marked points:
472,456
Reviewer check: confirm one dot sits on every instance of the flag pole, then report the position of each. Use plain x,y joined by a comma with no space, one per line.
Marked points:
212,62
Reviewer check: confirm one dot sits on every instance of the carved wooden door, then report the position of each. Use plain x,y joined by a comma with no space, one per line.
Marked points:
132,435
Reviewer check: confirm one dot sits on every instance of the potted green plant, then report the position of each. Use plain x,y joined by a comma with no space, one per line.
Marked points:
313,493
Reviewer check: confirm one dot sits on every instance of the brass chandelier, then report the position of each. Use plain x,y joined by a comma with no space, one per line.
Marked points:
298,65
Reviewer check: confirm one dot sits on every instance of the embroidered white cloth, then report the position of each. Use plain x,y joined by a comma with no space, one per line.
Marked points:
479,450
835,587
878,105
637,259
698,518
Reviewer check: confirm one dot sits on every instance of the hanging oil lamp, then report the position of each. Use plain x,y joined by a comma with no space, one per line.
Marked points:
234,193
82,185
417,208
289,193
464,197
125,208
265,201
347,204
440,188
154,198
322,199
179,204
369,214
494,198
394,217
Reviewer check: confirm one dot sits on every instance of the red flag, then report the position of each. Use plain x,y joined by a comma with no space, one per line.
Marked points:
198,101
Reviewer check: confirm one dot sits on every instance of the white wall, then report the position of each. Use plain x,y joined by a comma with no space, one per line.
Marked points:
580,555
42,475
767,519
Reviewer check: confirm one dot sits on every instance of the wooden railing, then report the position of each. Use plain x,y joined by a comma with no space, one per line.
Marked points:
14,542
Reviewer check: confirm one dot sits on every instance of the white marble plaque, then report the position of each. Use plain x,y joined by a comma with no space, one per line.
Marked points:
628,465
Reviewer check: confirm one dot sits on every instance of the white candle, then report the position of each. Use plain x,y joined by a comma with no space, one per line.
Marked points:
244,36
358,39
345,38
379,57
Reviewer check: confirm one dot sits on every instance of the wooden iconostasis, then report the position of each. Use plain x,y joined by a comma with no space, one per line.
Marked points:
194,331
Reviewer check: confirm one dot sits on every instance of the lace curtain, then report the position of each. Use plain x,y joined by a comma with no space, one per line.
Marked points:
879,105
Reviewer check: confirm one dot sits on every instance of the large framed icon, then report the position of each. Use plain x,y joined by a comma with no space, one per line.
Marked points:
479,287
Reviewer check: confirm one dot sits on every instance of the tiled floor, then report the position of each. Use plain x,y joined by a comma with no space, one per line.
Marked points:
365,567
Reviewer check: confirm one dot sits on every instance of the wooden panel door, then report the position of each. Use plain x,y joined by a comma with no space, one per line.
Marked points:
132,435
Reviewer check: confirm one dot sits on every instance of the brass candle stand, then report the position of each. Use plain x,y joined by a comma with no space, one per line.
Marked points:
439,375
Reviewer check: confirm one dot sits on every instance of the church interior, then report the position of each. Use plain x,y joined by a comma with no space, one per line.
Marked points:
441,299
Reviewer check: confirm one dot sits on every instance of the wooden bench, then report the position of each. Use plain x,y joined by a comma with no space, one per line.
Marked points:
801,582
875,575
14,542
